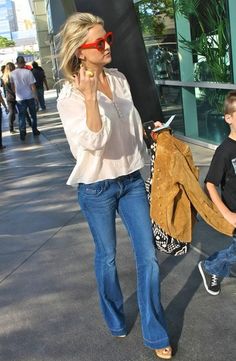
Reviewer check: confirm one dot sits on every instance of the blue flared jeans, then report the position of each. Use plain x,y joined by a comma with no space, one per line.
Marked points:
99,202
220,262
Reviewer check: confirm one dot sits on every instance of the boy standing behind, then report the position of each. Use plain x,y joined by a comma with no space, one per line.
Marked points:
222,172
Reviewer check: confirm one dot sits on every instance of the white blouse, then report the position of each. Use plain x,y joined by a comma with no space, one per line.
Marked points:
118,148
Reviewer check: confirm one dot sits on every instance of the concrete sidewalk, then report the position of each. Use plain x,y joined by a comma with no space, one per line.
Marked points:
49,307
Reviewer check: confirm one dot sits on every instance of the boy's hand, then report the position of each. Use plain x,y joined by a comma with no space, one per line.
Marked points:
231,218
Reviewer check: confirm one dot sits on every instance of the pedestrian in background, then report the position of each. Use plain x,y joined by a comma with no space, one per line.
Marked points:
2,102
1,81
222,173
27,116
23,84
10,95
105,134
41,81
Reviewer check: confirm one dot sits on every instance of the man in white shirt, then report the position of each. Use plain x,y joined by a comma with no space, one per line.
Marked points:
23,83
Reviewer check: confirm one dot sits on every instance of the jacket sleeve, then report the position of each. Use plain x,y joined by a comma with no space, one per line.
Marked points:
200,201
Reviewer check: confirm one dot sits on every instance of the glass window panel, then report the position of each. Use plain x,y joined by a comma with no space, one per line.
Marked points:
211,124
171,103
210,38
210,119
158,28
210,47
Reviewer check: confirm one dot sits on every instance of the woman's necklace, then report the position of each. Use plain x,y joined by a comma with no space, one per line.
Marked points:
104,87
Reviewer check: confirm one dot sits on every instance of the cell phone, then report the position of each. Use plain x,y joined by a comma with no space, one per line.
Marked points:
148,127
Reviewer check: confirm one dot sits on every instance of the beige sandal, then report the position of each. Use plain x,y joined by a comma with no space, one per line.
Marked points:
164,353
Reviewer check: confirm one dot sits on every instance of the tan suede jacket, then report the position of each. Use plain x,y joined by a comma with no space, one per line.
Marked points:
176,190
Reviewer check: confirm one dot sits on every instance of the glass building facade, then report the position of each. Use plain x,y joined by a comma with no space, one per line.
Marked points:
8,22
191,49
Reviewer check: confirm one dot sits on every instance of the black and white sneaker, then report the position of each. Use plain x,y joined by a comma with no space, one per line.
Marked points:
211,282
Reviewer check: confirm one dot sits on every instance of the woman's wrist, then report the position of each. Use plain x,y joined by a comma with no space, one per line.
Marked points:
91,101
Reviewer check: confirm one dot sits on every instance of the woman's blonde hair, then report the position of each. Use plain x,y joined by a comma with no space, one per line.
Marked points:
8,68
71,36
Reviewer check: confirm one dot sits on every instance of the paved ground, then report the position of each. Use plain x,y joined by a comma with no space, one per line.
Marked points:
48,301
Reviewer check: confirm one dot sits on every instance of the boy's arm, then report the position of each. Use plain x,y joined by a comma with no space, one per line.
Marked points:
216,199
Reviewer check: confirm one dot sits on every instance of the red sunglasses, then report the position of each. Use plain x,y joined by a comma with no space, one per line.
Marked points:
99,44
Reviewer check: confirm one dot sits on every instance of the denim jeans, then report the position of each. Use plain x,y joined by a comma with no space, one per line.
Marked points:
11,104
40,93
99,202
22,106
220,262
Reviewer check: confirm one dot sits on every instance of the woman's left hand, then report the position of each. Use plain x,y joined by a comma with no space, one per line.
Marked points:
158,124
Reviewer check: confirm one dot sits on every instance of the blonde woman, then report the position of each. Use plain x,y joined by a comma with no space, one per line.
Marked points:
10,95
105,135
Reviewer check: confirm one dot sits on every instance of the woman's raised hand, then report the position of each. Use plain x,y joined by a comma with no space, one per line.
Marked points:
86,82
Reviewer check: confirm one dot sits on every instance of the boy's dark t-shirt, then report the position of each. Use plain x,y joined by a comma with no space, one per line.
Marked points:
222,172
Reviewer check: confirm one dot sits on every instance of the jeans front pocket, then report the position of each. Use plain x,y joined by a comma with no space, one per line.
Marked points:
93,189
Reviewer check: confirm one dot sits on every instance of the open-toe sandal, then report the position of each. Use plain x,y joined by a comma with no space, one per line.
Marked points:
164,353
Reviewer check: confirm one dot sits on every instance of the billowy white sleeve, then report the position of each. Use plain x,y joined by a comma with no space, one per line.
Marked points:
72,112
